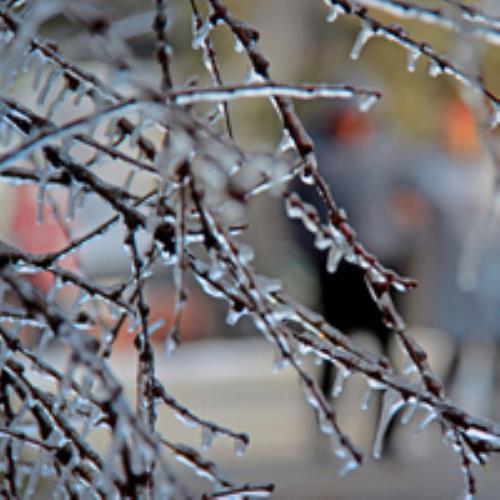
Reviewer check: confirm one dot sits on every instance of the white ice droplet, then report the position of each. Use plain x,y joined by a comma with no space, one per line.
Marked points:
409,367
307,177
240,447
342,373
279,361
325,425
400,287
293,206
171,344
365,33
207,437
252,77
434,68
245,252
335,255
322,241
413,56
348,466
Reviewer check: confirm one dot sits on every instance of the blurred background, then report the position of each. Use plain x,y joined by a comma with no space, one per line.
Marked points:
415,175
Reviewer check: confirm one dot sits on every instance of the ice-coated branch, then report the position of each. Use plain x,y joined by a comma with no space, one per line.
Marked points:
301,91
487,29
437,65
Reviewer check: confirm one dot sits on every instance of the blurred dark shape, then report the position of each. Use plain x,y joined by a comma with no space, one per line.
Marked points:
415,207
368,171
459,256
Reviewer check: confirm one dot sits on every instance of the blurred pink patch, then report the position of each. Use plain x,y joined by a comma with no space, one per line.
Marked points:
36,238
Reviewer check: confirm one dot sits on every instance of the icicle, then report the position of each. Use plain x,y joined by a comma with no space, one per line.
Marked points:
51,78
156,325
56,103
495,116
279,361
335,255
282,312
5,354
286,142
208,63
111,130
246,253
234,315
201,35
367,398
317,360
40,63
34,477
252,77
434,68
187,421
40,201
310,396
44,338
409,412
325,425
335,10
306,176
136,133
217,268
392,402
56,286
81,91
240,447
479,435
400,287
366,102
431,415
348,466
322,241
209,289
171,344
268,285
207,437
341,452
365,33
413,55
409,367
310,218
340,377
293,206
238,47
